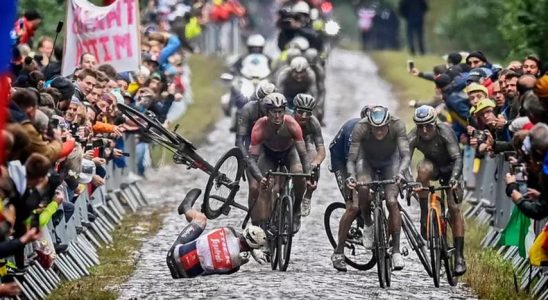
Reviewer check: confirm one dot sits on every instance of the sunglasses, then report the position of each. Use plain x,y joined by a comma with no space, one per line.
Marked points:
426,126
303,112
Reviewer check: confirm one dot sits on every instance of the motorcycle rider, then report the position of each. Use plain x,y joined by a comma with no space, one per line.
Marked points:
297,78
255,45
296,22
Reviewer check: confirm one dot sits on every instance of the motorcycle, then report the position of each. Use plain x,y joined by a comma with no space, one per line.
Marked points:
255,70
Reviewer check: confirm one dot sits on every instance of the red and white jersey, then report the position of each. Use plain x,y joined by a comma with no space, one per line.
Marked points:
218,251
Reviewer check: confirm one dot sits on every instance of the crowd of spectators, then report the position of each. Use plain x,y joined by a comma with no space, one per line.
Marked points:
500,110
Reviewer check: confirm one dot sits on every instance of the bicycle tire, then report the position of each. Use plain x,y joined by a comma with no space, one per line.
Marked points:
273,235
449,262
162,135
417,244
333,239
387,256
380,251
213,182
434,238
285,232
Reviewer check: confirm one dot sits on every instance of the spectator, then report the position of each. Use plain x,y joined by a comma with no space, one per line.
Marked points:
26,26
413,12
45,49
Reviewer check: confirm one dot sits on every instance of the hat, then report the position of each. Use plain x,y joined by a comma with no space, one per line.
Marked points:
64,86
483,104
156,76
477,54
442,81
541,89
88,171
476,87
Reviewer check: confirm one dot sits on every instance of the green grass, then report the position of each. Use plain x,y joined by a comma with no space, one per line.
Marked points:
117,261
205,108
488,274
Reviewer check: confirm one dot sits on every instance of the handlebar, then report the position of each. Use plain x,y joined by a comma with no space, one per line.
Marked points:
381,183
417,187
272,173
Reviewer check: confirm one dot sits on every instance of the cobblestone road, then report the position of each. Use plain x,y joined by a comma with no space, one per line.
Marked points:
352,82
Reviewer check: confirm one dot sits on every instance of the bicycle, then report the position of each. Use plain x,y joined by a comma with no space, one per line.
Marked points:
437,220
224,177
382,248
280,225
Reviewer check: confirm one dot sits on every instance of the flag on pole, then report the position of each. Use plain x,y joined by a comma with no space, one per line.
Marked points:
516,231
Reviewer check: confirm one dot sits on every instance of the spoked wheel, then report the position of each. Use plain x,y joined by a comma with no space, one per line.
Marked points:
285,232
150,126
274,235
355,254
418,244
387,256
380,247
435,246
223,184
449,259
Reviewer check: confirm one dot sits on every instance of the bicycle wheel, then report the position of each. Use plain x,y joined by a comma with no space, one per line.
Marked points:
434,239
387,256
285,232
223,184
274,235
356,255
449,259
380,247
150,126
417,243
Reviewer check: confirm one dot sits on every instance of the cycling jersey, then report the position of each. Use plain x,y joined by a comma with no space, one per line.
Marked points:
443,150
312,131
276,139
379,154
214,253
249,114
340,145
289,87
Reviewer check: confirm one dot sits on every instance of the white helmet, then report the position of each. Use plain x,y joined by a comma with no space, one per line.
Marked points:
256,40
299,64
304,101
254,236
264,88
274,100
301,8
300,43
425,114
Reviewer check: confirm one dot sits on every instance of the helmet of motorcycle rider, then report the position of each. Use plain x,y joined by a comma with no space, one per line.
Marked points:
311,54
254,236
378,116
300,43
425,114
255,43
264,89
301,7
298,64
274,100
304,101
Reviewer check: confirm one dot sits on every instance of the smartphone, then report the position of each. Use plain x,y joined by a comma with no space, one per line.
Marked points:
126,154
410,65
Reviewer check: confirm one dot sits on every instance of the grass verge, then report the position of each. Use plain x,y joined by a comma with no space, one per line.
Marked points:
488,274
205,108
117,260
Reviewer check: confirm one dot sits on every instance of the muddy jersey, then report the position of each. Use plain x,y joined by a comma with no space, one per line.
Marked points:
249,114
379,153
312,131
216,252
443,150
290,88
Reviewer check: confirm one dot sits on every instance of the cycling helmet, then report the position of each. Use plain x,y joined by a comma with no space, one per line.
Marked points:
425,114
292,53
299,64
364,111
300,43
378,116
311,54
264,88
256,40
254,236
301,8
274,100
304,101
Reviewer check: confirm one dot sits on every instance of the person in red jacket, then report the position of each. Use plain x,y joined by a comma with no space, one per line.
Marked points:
26,26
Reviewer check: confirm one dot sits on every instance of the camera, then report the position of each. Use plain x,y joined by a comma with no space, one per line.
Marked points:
480,135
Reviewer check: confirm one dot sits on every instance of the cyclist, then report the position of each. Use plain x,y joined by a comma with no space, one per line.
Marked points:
220,251
443,162
295,79
277,137
379,144
338,149
313,58
312,132
250,113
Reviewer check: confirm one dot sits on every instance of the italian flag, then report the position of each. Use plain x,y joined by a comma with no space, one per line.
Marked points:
519,232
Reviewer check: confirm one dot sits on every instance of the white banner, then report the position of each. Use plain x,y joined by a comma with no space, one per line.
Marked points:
110,33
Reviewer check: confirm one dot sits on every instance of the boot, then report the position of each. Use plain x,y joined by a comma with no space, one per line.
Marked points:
460,265
397,260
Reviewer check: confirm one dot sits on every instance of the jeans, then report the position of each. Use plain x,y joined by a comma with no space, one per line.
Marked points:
143,157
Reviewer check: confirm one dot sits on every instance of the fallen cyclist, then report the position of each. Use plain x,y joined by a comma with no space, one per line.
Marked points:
220,251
